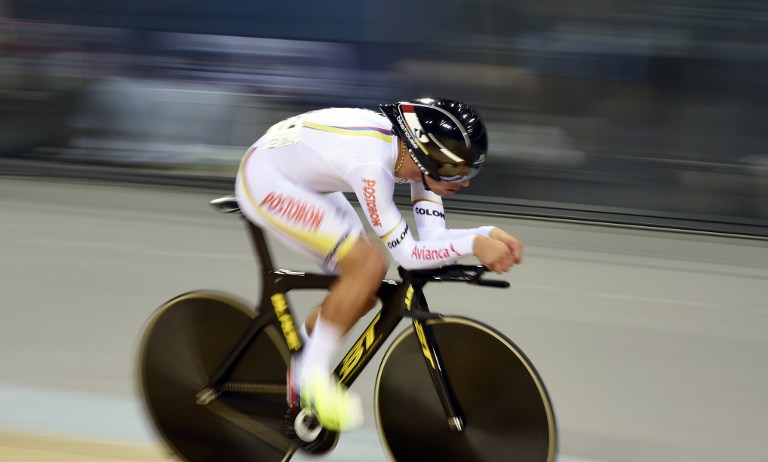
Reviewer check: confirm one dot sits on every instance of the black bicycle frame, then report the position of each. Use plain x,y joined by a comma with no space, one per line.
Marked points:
399,300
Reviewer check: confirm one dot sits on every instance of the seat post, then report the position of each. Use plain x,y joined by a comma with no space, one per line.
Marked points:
260,245
229,204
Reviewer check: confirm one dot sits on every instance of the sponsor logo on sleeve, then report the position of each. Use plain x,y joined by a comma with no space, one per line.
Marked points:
369,193
395,242
295,211
423,253
429,212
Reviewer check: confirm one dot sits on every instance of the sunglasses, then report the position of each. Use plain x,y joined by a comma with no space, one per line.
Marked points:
456,173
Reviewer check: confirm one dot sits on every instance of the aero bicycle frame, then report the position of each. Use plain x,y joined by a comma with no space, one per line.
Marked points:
399,299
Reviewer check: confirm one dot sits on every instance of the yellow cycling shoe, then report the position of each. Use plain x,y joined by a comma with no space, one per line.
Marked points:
331,403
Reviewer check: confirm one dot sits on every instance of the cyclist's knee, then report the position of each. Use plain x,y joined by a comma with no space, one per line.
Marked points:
378,264
364,261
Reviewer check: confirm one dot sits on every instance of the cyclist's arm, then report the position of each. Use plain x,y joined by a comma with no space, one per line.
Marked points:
374,189
429,214
430,221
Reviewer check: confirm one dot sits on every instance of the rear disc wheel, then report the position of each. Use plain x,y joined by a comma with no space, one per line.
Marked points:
184,342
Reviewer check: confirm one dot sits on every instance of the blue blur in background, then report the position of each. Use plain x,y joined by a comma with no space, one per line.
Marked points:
639,110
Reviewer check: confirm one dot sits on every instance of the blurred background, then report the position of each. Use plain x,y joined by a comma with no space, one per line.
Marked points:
651,112
652,343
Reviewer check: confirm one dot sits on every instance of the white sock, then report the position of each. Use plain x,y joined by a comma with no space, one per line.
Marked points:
319,350
303,333
296,359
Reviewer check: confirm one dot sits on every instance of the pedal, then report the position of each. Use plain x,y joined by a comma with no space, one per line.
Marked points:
305,430
306,426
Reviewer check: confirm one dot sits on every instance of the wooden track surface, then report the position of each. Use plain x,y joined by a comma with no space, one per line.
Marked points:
19,447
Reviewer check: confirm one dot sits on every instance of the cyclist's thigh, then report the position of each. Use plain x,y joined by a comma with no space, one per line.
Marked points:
346,209
317,225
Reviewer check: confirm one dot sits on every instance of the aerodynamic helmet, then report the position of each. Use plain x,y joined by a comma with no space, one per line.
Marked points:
446,138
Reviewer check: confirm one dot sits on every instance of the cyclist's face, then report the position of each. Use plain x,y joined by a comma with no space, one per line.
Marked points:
445,188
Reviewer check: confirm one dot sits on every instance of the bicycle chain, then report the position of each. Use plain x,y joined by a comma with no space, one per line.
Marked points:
257,388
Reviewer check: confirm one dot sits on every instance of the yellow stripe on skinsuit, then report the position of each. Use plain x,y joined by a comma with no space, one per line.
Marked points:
321,244
420,199
351,131
386,236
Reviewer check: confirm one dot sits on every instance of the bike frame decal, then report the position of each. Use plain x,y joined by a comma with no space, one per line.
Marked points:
367,340
409,297
418,326
286,321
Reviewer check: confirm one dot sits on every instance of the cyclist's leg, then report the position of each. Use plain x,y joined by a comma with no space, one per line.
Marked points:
309,322
316,226
361,270
360,273
311,223
344,207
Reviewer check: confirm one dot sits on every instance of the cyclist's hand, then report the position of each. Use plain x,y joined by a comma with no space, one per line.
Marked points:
514,245
494,254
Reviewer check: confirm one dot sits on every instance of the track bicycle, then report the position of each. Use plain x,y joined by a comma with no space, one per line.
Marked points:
449,388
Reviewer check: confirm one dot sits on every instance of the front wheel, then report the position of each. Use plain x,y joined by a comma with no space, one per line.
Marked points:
506,409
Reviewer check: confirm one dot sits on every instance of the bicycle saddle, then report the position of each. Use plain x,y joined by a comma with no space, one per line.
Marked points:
226,204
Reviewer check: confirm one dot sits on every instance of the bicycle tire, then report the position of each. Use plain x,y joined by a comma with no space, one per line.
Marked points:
184,342
507,411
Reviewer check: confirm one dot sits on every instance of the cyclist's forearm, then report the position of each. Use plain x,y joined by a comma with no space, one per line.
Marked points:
442,233
423,254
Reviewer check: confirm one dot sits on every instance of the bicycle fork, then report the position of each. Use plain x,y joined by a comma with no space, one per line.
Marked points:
419,314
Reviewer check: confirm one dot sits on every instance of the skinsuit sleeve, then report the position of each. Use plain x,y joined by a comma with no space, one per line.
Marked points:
374,188
430,217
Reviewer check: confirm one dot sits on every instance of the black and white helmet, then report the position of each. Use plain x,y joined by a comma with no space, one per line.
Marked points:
446,138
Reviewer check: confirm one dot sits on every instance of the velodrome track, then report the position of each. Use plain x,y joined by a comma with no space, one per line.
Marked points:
653,344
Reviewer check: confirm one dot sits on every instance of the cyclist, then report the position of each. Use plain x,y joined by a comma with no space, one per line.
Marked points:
291,183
